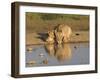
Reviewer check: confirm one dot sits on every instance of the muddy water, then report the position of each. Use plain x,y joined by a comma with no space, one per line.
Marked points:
55,55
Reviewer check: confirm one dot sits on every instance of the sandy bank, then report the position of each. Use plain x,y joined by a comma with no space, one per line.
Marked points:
77,36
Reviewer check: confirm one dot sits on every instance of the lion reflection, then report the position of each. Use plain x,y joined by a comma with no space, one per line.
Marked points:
61,51
50,48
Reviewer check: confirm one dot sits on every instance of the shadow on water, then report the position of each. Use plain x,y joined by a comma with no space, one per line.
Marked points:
61,52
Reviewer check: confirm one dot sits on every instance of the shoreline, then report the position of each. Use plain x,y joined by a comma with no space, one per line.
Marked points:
77,37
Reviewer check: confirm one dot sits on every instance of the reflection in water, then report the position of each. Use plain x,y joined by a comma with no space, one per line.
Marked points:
61,51
50,48
53,54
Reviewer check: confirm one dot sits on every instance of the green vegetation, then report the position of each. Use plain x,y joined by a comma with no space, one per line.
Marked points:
42,22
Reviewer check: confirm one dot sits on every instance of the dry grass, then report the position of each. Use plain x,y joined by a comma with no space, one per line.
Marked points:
34,22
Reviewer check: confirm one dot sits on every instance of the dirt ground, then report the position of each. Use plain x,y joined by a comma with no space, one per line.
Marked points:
39,38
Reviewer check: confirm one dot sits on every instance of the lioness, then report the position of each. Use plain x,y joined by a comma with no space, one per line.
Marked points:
63,32
58,36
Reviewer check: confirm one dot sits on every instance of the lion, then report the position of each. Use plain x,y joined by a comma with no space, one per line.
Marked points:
61,34
64,32
51,37
58,37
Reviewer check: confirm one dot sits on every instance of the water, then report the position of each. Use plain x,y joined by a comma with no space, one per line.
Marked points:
55,55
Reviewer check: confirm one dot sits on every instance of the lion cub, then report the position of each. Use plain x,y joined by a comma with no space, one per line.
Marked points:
51,37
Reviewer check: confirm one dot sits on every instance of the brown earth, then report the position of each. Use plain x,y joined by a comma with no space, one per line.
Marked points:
39,38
